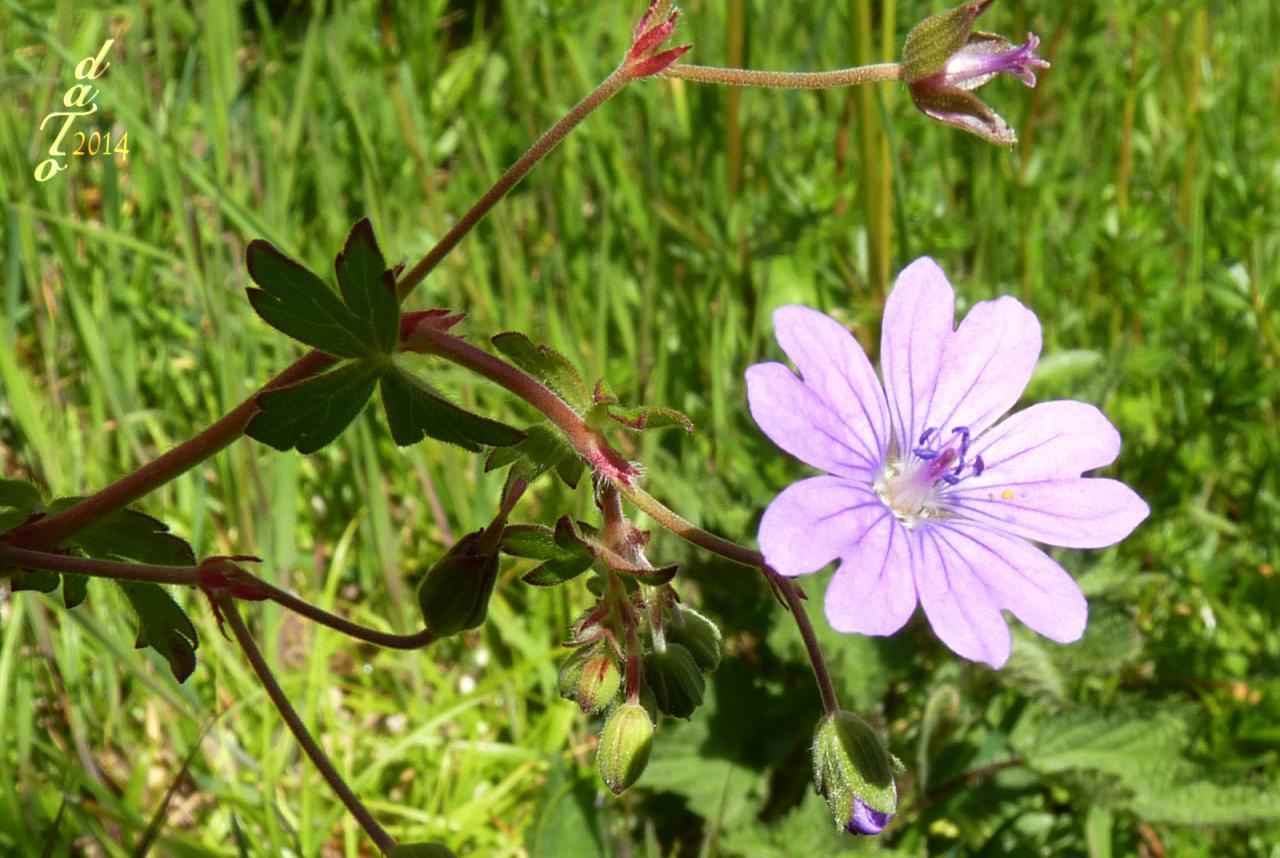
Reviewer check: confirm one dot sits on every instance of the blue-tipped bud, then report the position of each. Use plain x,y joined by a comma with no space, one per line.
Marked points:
853,771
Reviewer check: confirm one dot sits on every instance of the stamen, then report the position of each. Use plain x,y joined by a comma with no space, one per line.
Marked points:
978,466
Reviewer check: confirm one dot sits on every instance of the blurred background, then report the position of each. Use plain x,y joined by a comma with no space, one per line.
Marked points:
1139,218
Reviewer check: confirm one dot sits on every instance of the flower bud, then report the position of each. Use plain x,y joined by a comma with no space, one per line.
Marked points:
454,595
697,634
624,746
853,771
590,677
676,682
944,59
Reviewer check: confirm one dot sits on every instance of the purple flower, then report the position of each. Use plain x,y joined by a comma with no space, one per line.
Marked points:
943,60
865,820
926,497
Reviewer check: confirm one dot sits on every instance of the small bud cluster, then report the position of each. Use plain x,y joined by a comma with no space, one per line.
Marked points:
637,655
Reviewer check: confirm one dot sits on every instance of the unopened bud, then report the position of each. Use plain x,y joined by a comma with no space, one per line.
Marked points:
675,679
454,595
697,634
624,746
853,771
590,678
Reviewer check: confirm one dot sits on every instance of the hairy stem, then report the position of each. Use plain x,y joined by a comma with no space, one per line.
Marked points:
376,832
791,593
854,76
517,171
26,558
190,576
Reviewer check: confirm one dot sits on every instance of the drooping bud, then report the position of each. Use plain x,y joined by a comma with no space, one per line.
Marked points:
697,634
676,682
853,771
944,59
624,746
454,595
590,678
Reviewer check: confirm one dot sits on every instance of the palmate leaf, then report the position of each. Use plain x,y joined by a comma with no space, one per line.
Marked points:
308,415
128,534
18,499
564,554
416,410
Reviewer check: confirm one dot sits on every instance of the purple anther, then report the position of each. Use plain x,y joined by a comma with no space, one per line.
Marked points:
963,432
978,465
926,435
926,453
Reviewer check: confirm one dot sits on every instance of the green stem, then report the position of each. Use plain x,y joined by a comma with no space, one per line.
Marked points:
875,73
376,832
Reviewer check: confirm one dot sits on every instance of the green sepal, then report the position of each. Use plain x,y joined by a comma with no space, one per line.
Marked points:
310,414
850,761
624,748
546,365
935,39
542,448
675,680
164,626
416,410
643,418
454,595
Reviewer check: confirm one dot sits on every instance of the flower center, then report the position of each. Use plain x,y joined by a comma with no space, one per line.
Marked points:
914,485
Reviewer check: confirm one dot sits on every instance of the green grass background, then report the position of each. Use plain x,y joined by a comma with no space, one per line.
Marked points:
1139,219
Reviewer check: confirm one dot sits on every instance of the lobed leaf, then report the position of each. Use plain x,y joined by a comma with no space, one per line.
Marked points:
644,417
163,626
311,414
415,410
128,534
368,288
296,302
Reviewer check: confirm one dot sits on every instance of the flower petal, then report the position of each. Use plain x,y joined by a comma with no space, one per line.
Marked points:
836,368
873,592
1023,579
1050,440
963,610
985,366
1074,513
918,319
815,521
798,421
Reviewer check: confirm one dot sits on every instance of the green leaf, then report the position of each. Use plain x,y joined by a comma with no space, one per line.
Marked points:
558,570
643,418
530,540
415,409
163,626
542,448
128,534
298,303
312,413
548,366
18,499
567,538
74,589
38,580
20,495
368,288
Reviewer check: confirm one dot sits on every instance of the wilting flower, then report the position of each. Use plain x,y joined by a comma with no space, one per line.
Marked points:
943,60
926,497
